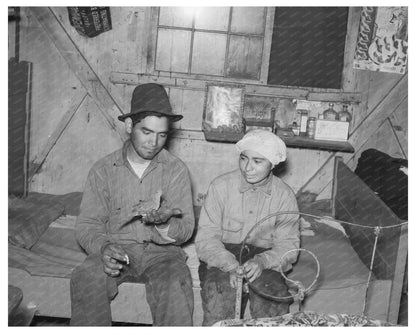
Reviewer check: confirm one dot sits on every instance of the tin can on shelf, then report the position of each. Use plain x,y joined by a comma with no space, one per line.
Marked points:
311,127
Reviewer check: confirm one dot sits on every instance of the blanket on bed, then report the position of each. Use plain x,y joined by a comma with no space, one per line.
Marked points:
30,217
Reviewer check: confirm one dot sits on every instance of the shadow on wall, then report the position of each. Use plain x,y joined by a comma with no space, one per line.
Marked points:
280,170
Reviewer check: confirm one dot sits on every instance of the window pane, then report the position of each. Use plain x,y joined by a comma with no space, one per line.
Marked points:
176,16
208,53
244,57
212,18
172,53
248,20
308,46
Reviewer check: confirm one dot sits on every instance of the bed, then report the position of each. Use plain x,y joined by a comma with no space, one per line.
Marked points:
42,269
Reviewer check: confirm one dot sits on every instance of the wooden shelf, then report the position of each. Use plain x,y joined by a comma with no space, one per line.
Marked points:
294,142
305,142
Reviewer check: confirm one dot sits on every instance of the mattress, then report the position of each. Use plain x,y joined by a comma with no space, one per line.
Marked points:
57,252
340,287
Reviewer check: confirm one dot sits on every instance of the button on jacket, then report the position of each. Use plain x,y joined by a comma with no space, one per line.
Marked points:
233,206
113,189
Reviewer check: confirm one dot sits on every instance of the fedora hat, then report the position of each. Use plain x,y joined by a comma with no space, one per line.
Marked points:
150,99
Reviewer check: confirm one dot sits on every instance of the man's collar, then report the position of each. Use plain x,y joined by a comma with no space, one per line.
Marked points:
122,157
265,185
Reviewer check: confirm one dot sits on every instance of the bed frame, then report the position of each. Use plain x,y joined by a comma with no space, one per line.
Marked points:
384,294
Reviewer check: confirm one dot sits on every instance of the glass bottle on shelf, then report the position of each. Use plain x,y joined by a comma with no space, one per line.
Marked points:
344,115
331,114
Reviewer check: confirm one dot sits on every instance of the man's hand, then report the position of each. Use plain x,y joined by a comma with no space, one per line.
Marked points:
253,269
112,255
160,216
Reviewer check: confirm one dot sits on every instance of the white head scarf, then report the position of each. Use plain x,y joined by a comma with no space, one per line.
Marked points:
265,143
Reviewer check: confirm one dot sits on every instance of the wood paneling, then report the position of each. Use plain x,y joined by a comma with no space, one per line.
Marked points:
399,123
76,102
79,65
187,103
116,48
387,103
86,139
53,82
110,62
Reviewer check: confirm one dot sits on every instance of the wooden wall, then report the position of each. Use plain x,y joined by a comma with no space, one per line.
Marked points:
75,104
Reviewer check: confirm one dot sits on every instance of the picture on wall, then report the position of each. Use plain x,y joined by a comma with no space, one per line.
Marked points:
382,39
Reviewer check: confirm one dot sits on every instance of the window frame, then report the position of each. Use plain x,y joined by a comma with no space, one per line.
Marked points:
265,53
348,73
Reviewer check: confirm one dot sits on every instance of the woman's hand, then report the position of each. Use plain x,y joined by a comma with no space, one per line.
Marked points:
253,269
233,279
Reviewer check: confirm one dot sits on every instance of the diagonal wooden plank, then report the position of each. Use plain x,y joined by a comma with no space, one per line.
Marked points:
80,66
399,132
380,112
37,162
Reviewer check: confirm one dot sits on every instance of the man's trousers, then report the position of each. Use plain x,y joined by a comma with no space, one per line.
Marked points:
163,270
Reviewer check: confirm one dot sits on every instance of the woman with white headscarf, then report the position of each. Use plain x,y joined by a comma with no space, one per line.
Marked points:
234,203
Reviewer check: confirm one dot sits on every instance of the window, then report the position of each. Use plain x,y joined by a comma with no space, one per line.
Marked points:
224,42
308,46
282,46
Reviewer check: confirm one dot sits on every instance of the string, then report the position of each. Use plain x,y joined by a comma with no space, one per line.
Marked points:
377,233
302,292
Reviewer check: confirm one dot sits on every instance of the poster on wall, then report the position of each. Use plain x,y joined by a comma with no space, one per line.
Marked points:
382,40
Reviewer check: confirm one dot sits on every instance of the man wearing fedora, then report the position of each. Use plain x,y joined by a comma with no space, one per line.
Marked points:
136,211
